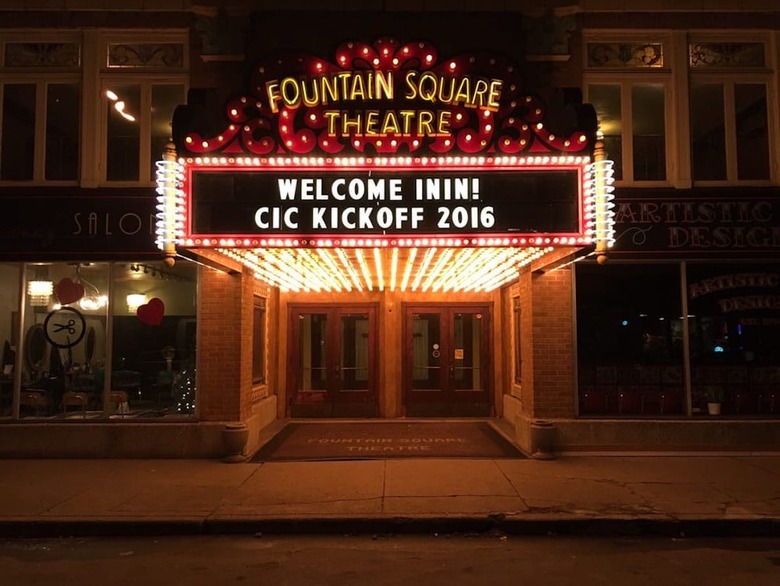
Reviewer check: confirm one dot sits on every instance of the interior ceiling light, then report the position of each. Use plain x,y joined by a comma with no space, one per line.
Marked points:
92,299
39,292
349,269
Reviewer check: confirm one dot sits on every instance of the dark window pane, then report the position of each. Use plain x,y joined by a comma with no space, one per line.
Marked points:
353,365
62,131
165,98
606,100
124,133
629,339
647,103
426,362
734,321
312,352
708,132
18,132
258,341
752,131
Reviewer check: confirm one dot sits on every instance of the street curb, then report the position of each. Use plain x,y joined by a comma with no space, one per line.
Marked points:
495,525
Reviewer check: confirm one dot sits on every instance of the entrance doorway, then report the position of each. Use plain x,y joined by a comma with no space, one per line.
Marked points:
332,361
446,361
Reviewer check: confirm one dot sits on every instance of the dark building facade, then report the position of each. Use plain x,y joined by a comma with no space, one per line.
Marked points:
221,213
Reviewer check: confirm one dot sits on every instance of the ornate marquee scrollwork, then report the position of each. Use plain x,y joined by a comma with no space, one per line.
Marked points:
261,125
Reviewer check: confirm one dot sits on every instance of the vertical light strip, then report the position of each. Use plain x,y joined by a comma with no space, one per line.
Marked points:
169,219
461,257
349,268
326,256
435,272
603,195
429,254
378,264
393,269
408,268
364,268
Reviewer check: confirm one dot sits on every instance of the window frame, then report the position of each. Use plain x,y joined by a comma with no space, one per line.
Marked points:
626,78
41,78
729,80
146,78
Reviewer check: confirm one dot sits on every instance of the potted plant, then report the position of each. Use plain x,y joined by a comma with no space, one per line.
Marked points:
714,400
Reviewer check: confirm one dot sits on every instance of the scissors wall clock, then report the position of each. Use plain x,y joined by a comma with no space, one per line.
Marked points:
64,327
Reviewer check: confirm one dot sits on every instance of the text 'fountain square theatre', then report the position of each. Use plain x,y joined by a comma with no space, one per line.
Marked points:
378,209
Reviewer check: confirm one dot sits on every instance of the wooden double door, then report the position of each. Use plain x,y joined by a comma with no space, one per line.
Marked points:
333,361
447,361
335,354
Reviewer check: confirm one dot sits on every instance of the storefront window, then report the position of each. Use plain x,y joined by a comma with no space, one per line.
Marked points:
734,313
63,346
69,370
153,361
630,340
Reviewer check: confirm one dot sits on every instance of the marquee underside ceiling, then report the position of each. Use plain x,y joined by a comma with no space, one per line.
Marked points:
386,269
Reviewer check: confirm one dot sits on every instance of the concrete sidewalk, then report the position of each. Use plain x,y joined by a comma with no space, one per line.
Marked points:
670,495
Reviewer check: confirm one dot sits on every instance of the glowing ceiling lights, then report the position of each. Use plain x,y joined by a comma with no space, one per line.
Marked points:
434,269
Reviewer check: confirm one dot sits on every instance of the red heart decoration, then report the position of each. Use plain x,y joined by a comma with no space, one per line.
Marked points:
151,313
68,291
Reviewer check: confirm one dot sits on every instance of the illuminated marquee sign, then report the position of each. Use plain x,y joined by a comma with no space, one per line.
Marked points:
248,204
384,98
386,145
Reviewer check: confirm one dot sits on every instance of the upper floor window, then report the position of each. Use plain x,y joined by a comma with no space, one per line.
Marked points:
627,84
40,98
142,83
729,117
88,106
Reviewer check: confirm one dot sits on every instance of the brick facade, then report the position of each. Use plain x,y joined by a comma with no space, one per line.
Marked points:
224,346
547,344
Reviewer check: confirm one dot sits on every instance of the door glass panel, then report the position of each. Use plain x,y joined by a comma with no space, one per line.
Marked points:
313,352
354,352
426,352
466,351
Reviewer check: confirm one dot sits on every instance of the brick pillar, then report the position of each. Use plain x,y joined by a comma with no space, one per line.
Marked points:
552,345
224,375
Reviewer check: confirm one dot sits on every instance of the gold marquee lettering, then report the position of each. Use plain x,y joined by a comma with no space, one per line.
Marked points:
345,87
